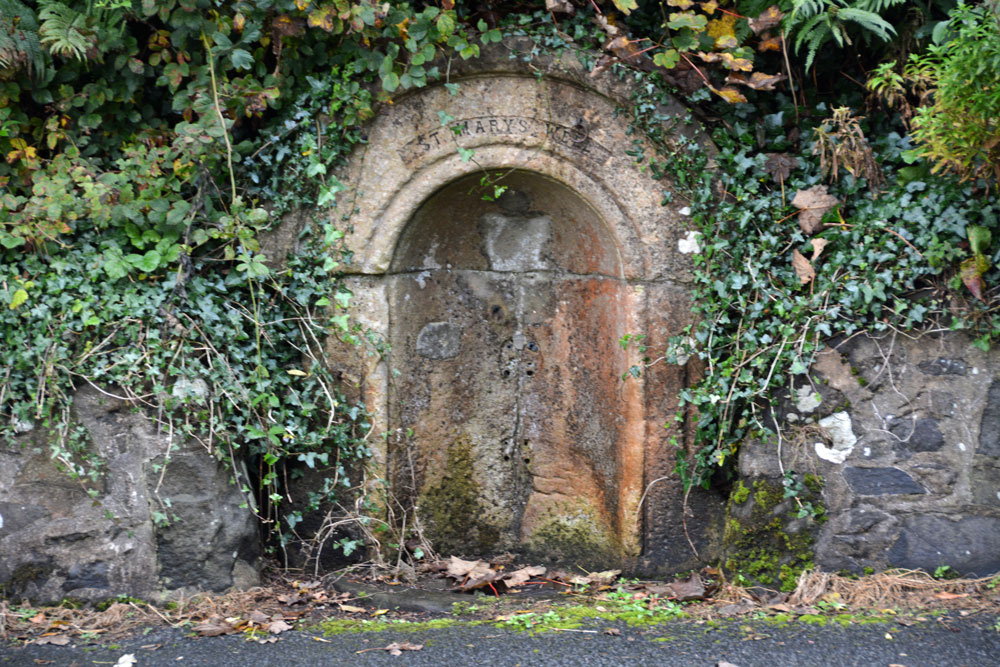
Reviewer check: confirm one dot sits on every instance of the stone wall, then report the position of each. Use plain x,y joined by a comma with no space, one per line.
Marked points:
904,436
92,540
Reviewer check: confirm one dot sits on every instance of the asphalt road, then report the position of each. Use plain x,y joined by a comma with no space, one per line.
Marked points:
968,642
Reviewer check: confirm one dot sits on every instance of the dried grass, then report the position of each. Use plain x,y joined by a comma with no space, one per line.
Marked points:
892,588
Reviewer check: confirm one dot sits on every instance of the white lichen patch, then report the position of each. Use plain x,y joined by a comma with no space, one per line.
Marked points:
807,400
689,244
838,426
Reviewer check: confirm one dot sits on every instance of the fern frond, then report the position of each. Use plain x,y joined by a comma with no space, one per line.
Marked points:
65,31
19,45
871,22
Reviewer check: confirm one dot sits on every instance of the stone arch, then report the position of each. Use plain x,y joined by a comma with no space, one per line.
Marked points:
548,128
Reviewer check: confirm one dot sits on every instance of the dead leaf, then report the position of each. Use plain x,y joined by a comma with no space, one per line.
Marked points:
769,43
37,618
55,640
126,660
39,661
813,203
818,245
214,626
351,609
780,165
689,589
395,648
518,577
277,627
757,80
971,270
614,632
259,617
767,19
290,599
559,7
803,269
950,596
267,640
379,612
730,95
781,606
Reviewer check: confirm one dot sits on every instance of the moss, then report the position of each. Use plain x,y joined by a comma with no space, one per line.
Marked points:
813,619
340,626
758,546
573,532
740,493
452,508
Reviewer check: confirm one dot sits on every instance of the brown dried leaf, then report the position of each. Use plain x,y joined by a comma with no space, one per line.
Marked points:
780,165
559,6
769,43
518,577
971,270
214,626
277,627
803,269
395,648
950,596
730,95
757,80
56,640
689,589
768,19
814,203
614,632
460,569
259,617
818,245
351,609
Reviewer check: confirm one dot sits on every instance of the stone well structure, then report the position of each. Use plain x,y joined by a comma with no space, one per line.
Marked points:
509,424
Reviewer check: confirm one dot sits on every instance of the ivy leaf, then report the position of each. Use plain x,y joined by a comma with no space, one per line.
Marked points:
148,262
466,153
20,296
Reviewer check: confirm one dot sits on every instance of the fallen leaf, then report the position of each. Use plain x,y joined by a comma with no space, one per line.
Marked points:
214,626
757,80
351,609
767,19
290,599
56,640
780,165
769,42
803,269
259,617
395,648
126,660
614,632
518,577
730,95
780,607
950,596
689,589
277,627
813,204
267,640
39,661
818,245
379,612
37,618
559,7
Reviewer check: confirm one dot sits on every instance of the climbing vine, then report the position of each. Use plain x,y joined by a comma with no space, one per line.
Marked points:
148,146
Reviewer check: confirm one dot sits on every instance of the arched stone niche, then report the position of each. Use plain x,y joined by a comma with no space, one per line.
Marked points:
507,423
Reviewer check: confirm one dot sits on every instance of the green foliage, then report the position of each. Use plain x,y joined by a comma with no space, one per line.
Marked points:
815,23
958,82
140,143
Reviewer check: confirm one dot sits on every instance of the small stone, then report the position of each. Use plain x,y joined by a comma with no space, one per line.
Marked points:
921,435
943,366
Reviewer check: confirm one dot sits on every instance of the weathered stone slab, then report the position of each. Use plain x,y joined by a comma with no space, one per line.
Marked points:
64,538
970,545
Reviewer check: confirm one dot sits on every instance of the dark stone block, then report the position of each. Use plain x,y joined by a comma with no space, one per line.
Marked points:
15,517
922,435
943,366
87,575
970,546
881,481
989,426
862,520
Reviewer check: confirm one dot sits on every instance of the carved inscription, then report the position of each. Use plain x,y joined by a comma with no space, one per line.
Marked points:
576,137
